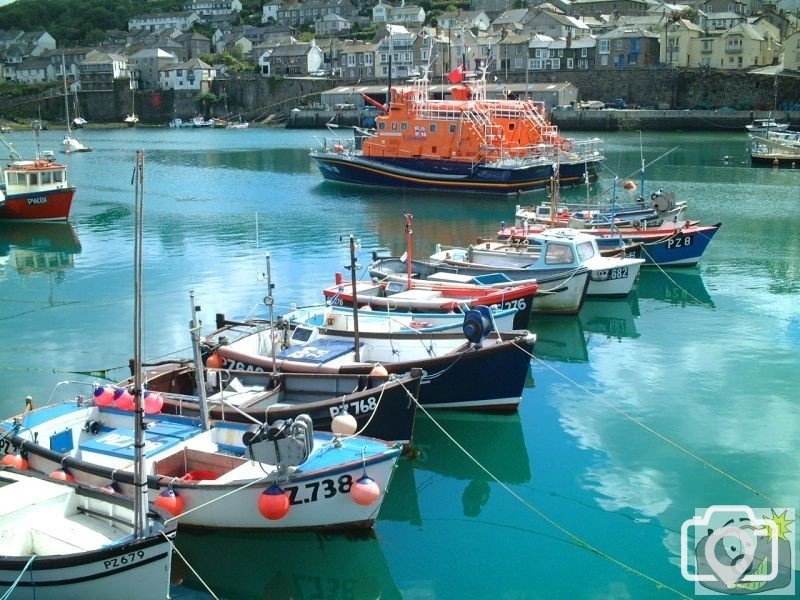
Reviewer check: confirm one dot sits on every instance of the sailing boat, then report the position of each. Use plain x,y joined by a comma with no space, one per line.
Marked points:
65,540
131,120
77,121
71,144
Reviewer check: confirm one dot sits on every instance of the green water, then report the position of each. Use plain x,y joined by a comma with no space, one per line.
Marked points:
636,412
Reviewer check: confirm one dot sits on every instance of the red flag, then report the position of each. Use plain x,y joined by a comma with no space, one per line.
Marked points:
456,75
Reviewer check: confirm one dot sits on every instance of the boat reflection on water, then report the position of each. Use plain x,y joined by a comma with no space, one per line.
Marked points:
559,338
611,318
676,286
490,439
38,247
283,565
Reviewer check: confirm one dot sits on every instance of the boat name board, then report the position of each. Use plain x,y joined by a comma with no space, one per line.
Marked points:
679,242
124,560
359,407
318,490
37,200
610,274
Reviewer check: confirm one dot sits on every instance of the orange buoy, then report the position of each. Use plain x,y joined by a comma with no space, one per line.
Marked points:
16,461
153,403
104,395
378,371
365,491
123,399
273,504
214,361
170,501
62,474
629,185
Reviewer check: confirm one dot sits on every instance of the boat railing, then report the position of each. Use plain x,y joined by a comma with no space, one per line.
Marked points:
339,145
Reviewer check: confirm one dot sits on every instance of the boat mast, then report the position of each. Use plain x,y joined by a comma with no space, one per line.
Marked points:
269,301
140,476
352,268
409,247
66,97
194,328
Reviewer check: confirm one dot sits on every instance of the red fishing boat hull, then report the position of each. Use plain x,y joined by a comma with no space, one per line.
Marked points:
42,206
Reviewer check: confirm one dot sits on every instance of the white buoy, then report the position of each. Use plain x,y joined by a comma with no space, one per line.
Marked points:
344,424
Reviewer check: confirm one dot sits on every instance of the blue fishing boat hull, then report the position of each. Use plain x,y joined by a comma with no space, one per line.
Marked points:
680,249
426,174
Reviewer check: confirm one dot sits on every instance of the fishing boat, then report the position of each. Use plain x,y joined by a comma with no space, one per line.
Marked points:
677,246
761,126
332,318
412,295
35,190
469,143
775,149
662,208
376,405
456,368
551,251
70,142
398,297
64,541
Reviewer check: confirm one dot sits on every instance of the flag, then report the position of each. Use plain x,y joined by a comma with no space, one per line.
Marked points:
404,257
456,75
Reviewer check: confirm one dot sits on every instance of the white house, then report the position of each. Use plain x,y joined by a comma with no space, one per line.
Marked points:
148,62
169,20
191,75
270,11
206,8
332,25
405,15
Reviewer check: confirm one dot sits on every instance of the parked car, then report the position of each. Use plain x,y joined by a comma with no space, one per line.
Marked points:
617,103
591,105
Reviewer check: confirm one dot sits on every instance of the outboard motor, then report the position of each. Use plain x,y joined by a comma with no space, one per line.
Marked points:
284,443
478,323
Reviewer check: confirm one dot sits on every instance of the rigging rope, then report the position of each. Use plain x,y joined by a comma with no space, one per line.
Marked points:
572,536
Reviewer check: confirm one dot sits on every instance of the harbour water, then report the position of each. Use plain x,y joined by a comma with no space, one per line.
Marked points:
636,412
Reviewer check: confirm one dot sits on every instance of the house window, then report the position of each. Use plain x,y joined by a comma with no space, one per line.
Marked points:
570,63
584,52
605,46
620,45
604,60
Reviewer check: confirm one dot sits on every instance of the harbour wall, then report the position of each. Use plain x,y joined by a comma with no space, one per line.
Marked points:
256,98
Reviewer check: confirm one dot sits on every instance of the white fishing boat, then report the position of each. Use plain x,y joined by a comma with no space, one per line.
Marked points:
61,541
550,252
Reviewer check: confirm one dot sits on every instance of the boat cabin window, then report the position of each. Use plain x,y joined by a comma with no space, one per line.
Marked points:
46,177
58,176
586,250
33,179
394,126
403,126
452,127
559,254
433,127
381,125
